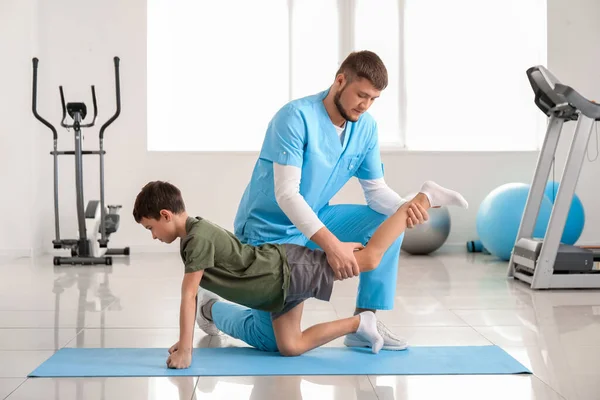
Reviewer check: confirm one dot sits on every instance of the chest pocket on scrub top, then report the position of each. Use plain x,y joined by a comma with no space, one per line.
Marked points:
350,164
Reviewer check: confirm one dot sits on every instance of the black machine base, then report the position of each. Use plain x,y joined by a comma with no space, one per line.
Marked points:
89,260
82,260
118,252
79,259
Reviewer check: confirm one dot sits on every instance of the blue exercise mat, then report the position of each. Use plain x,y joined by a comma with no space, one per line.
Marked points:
244,361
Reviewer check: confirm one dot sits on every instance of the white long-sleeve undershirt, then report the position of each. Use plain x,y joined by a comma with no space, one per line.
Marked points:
292,203
379,196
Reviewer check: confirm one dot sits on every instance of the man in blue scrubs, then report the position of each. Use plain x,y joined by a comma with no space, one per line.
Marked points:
312,147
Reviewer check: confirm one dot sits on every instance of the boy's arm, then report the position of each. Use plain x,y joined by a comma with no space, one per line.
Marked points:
187,313
199,254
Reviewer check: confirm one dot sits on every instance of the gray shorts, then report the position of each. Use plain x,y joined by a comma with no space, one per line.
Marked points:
310,276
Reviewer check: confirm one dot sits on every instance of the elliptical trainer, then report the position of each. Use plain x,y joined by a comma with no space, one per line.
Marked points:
95,220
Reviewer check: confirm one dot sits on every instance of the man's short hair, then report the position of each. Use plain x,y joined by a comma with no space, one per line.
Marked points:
365,64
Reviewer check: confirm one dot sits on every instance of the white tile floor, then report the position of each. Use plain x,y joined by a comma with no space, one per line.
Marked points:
451,298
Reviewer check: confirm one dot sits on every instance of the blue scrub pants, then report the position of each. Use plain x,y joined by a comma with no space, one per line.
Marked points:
376,290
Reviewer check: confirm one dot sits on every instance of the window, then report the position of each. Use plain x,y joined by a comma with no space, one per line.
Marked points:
314,49
377,28
465,75
219,70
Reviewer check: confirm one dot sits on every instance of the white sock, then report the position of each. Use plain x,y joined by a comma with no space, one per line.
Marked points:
440,196
367,328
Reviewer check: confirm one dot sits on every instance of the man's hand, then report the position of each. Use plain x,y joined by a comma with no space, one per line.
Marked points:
174,348
180,359
416,215
340,255
342,261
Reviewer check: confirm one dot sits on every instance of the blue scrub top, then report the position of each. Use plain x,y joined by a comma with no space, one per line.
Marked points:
302,134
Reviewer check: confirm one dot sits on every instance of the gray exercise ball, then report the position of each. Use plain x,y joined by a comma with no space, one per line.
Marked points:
428,237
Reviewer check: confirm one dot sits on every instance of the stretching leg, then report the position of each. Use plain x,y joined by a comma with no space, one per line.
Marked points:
431,195
292,341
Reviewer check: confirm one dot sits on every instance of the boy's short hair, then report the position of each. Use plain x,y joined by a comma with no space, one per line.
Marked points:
156,196
365,64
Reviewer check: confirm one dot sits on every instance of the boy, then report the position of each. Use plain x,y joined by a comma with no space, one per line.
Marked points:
272,277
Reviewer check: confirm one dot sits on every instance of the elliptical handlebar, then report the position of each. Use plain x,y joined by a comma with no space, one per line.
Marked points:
56,241
35,62
95,109
118,90
64,109
103,240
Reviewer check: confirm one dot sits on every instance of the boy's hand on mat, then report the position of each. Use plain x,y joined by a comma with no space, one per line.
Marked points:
174,348
342,261
180,359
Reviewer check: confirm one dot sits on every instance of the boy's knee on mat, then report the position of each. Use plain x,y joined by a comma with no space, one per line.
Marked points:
289,348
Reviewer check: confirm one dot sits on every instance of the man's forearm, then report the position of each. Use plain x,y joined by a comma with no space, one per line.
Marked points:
325,239
187,319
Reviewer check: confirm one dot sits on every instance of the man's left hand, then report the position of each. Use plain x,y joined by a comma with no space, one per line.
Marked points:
180,359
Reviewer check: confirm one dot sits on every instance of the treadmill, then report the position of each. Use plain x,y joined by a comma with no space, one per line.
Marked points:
546,263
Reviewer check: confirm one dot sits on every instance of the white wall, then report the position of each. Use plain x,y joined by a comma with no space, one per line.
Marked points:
76,42
17,129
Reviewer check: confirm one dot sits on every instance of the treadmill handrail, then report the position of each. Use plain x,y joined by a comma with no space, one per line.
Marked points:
547,99
585,106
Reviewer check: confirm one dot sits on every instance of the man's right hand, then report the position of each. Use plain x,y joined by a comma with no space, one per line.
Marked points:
341,259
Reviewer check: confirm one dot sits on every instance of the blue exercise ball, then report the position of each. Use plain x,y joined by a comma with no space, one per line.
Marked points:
575,218
499,217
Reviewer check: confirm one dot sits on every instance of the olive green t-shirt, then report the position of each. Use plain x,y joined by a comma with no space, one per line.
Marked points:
253,276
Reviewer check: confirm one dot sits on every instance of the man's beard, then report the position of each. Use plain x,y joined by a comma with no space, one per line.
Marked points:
340,108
